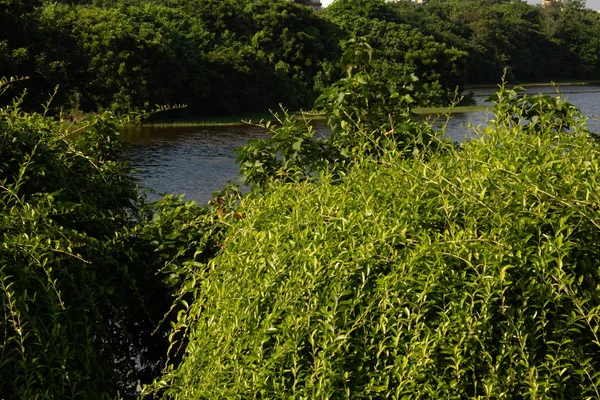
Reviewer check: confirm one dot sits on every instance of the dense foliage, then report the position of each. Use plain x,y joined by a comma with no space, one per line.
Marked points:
225,56
72,313
215,56
403,49
378,262
86,271
535,43
465,272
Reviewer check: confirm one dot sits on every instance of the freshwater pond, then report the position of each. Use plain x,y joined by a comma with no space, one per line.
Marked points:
197,161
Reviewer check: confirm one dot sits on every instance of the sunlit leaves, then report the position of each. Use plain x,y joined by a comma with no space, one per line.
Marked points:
470,274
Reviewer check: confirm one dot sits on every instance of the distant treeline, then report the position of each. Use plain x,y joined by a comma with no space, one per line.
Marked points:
232,56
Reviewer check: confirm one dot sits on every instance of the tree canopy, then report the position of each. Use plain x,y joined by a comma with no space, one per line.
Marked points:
227,57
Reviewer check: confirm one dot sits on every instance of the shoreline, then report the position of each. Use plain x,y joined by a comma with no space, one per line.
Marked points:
268,116
238,121
534,84
449,110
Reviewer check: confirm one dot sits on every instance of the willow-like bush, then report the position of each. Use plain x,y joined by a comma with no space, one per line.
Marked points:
74,319
469,273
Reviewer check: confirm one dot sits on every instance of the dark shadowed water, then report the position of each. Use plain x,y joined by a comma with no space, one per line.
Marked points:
197,161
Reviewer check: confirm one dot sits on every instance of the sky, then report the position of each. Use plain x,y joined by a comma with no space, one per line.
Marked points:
593,4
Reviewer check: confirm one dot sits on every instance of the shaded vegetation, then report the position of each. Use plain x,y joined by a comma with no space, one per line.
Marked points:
84,285
219,57
74,316
230,57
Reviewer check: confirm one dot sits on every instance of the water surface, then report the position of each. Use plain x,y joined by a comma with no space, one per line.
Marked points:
197,161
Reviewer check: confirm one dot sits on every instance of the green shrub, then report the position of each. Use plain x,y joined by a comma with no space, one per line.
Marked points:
74,310
365,112
176,239
469,273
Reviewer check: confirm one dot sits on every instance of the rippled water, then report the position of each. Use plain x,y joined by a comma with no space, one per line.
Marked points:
198,161
192,161
586,98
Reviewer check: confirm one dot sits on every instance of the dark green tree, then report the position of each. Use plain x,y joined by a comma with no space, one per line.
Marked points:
402,49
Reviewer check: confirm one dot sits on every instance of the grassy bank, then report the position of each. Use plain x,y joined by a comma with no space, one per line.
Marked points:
265,116
231,120
449,110
538,84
